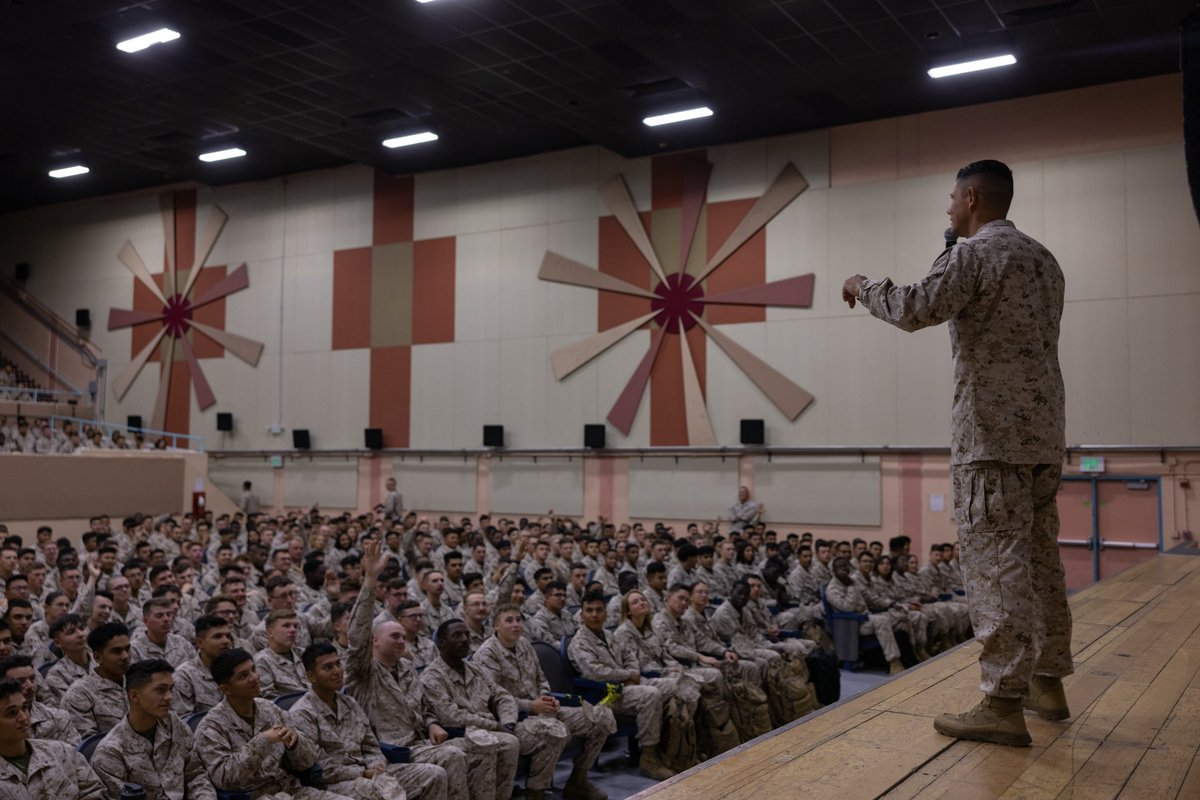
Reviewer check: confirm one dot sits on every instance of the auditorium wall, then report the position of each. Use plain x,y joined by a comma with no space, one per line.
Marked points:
412,303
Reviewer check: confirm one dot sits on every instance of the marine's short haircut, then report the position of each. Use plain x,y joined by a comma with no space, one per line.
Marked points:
99,638
278,615
14,662
992,178
553,585
445,626
71,620
10,687
321,647
679,587
655,567
142,672
209,621
226,664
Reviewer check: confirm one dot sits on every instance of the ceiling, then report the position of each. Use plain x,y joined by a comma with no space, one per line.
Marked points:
307,85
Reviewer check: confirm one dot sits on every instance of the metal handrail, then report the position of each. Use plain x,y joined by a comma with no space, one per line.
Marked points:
37,393
197,442
665,452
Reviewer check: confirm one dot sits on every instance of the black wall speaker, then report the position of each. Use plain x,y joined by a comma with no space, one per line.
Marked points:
593,436
83,318
1189,57
373,438
493,436
133,421
753,431
224,421
300,439
21,273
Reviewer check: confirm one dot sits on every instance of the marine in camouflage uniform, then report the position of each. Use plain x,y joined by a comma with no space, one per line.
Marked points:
473,701
96,704
195,690
1002,294
518,671
55,769
165,763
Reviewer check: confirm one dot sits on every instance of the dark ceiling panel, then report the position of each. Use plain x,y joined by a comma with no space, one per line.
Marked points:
306,84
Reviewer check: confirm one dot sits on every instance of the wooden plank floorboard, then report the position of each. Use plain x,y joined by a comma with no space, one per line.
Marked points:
1135,731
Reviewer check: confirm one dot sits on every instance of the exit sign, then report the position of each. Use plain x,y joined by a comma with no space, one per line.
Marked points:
1091,464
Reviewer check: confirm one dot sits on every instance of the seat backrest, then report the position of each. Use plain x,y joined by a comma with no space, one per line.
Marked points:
193,720
557,673
825,603
286,701
88,745
566,660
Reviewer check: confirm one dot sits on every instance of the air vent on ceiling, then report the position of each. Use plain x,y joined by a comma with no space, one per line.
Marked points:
621,55
651,88
1016,13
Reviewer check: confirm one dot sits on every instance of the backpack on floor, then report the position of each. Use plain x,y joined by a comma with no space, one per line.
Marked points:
715,731
748,706
825,675
677,743
789,693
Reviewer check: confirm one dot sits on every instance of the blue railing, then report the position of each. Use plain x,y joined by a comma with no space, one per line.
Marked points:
29,395
175,441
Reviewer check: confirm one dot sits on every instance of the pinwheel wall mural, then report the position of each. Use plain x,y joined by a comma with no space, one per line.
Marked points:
679,299
172,306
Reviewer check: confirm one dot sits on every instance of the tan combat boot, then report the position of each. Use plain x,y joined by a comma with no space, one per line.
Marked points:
580,788
895,667
535,794
1047,698
922,654
652,767
995,719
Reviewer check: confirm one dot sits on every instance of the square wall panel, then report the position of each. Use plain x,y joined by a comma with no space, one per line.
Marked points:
228,475
257,223
1163,232
820,491
254,312
311,211
699,488
571,182
435,204
739,171
523,486
432,484
1094,356
521,390
572,309
477,287
523,186
473,391
330,484
1164,369
924,386
800,350
307,310
480,198
1085,223
522,296
808,151
431,412
863,381
862,234
353,200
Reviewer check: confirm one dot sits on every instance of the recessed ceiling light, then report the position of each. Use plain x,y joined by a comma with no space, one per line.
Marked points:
148,40
67,172
678,116
415,138
221,155
973,66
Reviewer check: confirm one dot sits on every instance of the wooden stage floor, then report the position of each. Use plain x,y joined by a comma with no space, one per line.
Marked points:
1135,696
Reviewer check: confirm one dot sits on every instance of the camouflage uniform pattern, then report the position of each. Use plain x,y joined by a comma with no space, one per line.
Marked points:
473,700
47,722
348,747
95,704
169,766
850,598
880,599
519,673
601,660
1016,591
176,651
56,770
62,676
395,701
673,679
551,628
195,689
240,758
280,673
1002,293
704,640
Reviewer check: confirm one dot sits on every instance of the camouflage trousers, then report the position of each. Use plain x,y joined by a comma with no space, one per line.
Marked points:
1012,572
591,723
543,739
646,703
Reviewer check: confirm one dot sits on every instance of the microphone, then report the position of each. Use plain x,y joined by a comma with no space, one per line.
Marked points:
951,238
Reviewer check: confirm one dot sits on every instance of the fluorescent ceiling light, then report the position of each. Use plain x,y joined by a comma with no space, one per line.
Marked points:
678,116
148,40
424,1
973,66
221,155
415,138
67,172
